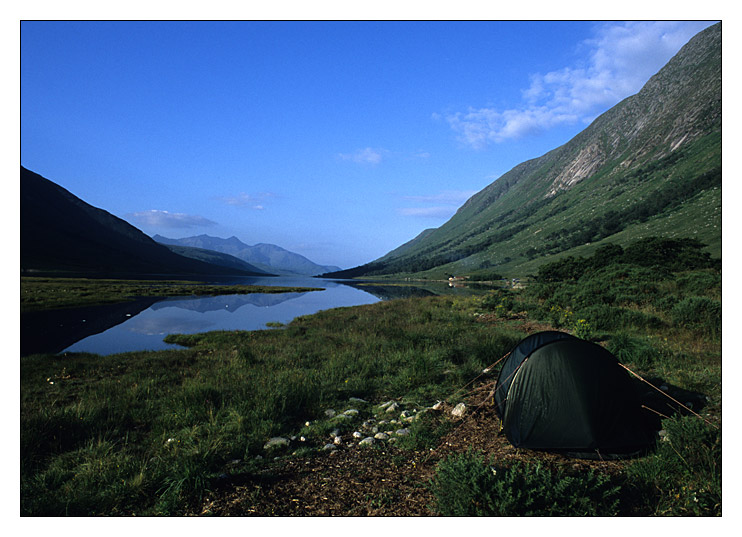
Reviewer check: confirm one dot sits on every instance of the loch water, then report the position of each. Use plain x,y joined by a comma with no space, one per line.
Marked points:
142,324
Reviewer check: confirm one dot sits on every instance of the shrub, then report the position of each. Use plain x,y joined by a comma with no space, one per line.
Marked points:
465,486
685,471
699,313
632,350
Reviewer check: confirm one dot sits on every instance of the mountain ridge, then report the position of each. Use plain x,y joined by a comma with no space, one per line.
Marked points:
264,256
62,234
637,167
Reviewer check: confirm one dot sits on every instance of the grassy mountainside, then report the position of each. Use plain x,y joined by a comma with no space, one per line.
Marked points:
61,234
649,166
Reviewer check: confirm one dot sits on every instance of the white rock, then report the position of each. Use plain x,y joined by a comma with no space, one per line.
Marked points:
330,413
337,441
351,412
392,408
357,434
366,442
459,410
405,414
437,406
276,441
382,406
328,447
403,432
381,436
357,400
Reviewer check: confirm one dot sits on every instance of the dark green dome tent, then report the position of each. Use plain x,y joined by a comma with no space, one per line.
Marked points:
556,392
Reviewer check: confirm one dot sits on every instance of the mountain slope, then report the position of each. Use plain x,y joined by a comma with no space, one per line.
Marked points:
215,258
60,233
651,165
268,257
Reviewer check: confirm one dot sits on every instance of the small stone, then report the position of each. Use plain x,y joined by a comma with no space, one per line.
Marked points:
330,413
329,447
302,439
459,410
276,441
337,441
403,432
307,424
334,433
437,406
392,408
369,441
382,406
374,430
357,400
405,414
381,436
369,423
351,412
357,434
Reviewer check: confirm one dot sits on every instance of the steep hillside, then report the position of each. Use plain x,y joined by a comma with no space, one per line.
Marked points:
267,257
651,165
60,233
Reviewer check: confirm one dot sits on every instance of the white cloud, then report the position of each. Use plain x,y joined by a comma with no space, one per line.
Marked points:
252,201
428,212
367,155
156,218
446,203
620,58
447,196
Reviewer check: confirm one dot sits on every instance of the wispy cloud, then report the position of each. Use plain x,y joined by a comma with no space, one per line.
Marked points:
367,155
165,219
446,196
620,58
251,201
428,212
444,204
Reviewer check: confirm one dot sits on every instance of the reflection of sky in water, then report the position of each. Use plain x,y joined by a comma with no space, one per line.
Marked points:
146,330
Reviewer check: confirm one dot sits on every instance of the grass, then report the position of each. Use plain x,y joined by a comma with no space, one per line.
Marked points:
49,293
149,433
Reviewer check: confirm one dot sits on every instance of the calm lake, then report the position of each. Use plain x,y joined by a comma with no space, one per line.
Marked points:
142,324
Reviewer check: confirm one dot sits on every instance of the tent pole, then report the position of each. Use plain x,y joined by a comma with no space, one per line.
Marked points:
668,396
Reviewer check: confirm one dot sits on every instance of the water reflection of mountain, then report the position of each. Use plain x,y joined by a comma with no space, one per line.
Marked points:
52,331
390,292
230,303
418,289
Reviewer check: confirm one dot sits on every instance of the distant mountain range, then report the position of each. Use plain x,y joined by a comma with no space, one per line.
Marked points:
650,166
63,235
267,257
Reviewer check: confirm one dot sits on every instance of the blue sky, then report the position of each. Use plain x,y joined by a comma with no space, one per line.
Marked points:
337,140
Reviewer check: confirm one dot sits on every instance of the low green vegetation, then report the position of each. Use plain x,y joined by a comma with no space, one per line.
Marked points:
47,293
465,486
149,433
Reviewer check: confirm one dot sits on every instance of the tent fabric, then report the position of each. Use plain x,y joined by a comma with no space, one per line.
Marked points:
515,358
567,394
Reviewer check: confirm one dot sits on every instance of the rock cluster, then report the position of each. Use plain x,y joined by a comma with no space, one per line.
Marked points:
359,425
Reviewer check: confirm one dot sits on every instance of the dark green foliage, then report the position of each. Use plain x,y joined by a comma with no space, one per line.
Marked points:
633,350
700,313
464,485
684,474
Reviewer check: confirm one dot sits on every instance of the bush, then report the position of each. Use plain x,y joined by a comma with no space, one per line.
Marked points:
465,486
698,313
631,350
685,471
